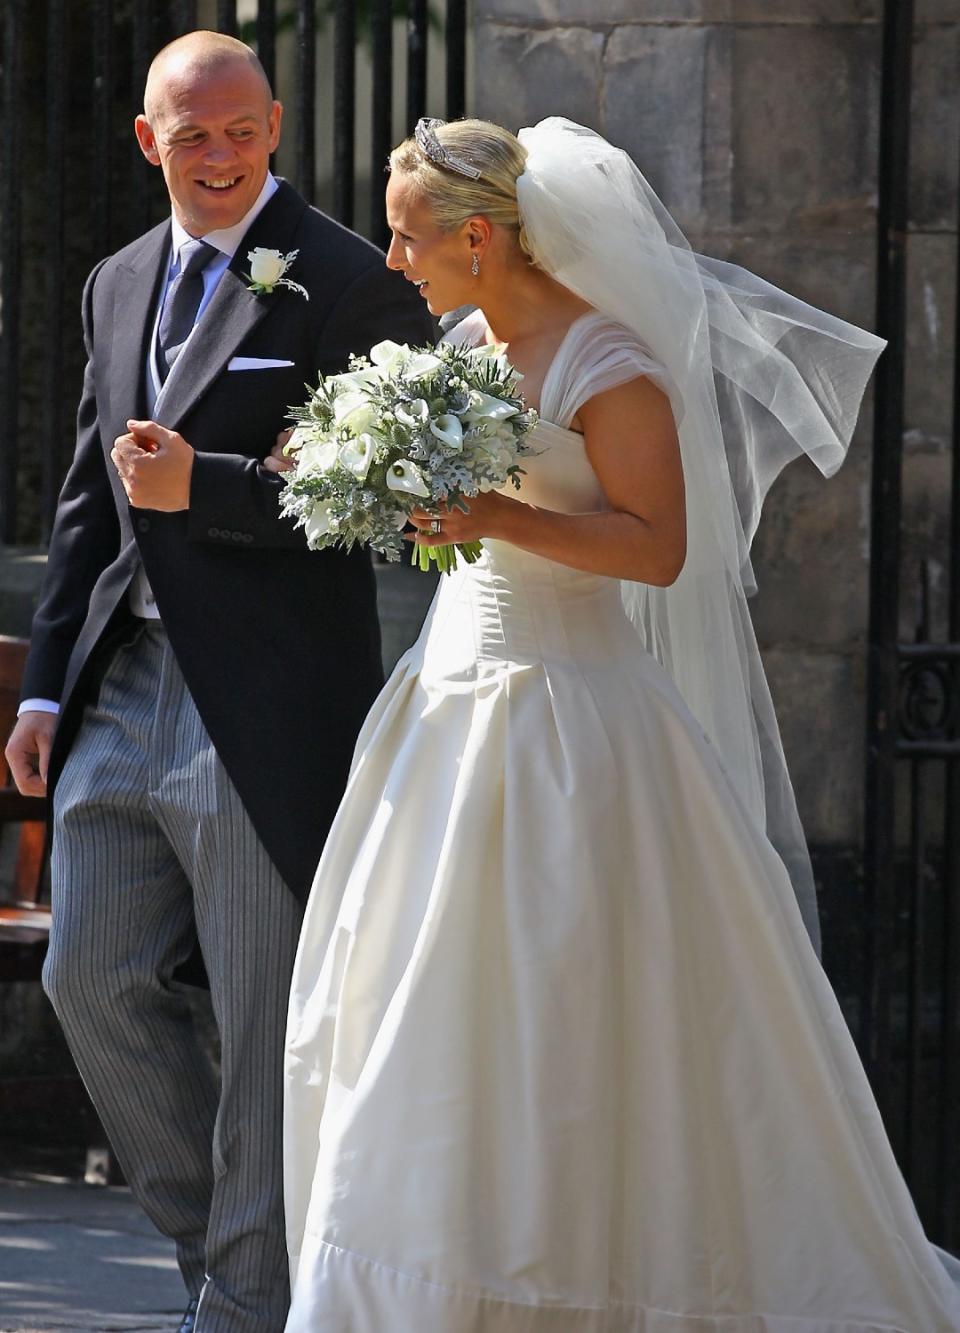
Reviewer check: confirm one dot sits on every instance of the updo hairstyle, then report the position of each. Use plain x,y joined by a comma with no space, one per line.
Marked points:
452,198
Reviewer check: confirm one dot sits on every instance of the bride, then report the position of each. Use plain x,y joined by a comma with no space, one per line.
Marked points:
560,1054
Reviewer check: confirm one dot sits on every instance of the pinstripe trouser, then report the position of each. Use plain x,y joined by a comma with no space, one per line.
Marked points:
150,838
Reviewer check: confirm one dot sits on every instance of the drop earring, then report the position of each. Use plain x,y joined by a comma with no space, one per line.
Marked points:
475,266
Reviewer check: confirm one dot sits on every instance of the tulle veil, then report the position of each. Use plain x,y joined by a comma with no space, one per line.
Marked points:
756,378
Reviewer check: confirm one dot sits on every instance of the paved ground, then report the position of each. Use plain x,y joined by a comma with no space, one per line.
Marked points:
75,1257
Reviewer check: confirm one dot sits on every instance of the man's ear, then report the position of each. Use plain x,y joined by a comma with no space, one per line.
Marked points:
273,122
147,140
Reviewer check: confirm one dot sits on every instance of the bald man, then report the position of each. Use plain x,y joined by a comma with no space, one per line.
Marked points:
196,677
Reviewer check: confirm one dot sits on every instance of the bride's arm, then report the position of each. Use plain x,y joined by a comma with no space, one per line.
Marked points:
631,441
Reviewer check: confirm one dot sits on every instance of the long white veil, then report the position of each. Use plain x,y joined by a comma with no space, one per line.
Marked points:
757,378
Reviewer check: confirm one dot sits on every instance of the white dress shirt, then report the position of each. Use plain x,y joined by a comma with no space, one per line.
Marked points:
227,241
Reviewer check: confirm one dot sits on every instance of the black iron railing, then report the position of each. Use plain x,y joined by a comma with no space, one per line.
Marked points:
74,186
910,1012
10,217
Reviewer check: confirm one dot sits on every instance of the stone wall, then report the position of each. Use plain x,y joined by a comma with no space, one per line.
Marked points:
756,121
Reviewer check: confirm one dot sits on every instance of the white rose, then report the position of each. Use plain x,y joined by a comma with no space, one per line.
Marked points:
361,419
266,266
317,456
491,438
346,403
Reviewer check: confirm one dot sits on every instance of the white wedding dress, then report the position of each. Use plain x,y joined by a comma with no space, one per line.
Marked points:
560,1055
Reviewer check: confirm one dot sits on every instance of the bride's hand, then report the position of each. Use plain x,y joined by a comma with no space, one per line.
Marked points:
484,519
276,460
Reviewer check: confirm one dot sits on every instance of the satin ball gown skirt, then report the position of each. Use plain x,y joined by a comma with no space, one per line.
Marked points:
560,1054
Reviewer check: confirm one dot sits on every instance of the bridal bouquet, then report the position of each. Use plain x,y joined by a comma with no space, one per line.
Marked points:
405,428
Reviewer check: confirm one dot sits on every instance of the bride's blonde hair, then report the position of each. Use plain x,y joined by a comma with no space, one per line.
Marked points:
452,198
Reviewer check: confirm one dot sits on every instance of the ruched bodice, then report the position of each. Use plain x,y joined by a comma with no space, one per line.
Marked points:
512,606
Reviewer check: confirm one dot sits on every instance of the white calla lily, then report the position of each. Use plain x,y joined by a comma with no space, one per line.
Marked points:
403,475
386,354
357,455
448,429
392,357
298,439
318,523
485,405
420,363
353,380
416,413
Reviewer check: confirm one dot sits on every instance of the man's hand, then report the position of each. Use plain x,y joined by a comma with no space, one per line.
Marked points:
28,751
155,465
276,460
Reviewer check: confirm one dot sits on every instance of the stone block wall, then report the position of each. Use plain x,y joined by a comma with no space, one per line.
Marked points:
757,123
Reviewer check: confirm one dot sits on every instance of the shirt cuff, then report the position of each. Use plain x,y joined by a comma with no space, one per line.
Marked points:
38,706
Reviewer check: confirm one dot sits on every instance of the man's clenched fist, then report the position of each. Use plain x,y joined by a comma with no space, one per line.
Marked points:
28,751
154,465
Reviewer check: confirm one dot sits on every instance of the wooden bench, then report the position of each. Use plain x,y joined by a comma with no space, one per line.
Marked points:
24,910
24,932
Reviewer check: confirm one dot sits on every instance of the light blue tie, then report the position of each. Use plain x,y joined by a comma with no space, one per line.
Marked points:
183,301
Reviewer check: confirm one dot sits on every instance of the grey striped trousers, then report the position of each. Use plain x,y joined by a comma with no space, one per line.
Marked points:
150,838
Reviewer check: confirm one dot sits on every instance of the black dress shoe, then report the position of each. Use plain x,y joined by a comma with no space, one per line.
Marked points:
189,1318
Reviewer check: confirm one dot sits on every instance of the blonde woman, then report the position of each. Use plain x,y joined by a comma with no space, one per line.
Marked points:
560,1053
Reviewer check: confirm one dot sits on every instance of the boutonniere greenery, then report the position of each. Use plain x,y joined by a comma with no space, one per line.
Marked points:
268,269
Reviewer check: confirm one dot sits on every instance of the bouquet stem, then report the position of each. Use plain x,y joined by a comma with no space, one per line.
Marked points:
444,557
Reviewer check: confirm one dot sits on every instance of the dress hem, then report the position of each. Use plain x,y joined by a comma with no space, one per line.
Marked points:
351,1293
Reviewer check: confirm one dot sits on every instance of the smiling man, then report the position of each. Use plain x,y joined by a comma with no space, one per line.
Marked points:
197,677
211,135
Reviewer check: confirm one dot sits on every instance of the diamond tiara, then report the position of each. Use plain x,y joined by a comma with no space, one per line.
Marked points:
433,149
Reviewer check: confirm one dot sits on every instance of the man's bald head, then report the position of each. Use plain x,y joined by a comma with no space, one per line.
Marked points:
194,56
211,124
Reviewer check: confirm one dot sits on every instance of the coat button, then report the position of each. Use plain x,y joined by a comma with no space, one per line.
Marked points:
143,524
237,536
213,532
248,536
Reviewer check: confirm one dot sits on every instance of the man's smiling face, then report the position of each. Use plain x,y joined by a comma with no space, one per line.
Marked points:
211,127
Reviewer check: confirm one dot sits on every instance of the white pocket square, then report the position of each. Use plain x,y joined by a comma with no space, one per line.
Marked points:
256,363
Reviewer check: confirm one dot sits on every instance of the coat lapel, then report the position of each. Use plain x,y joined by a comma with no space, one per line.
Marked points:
233,313
137,289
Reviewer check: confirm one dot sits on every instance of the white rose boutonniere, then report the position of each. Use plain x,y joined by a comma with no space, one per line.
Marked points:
268,269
